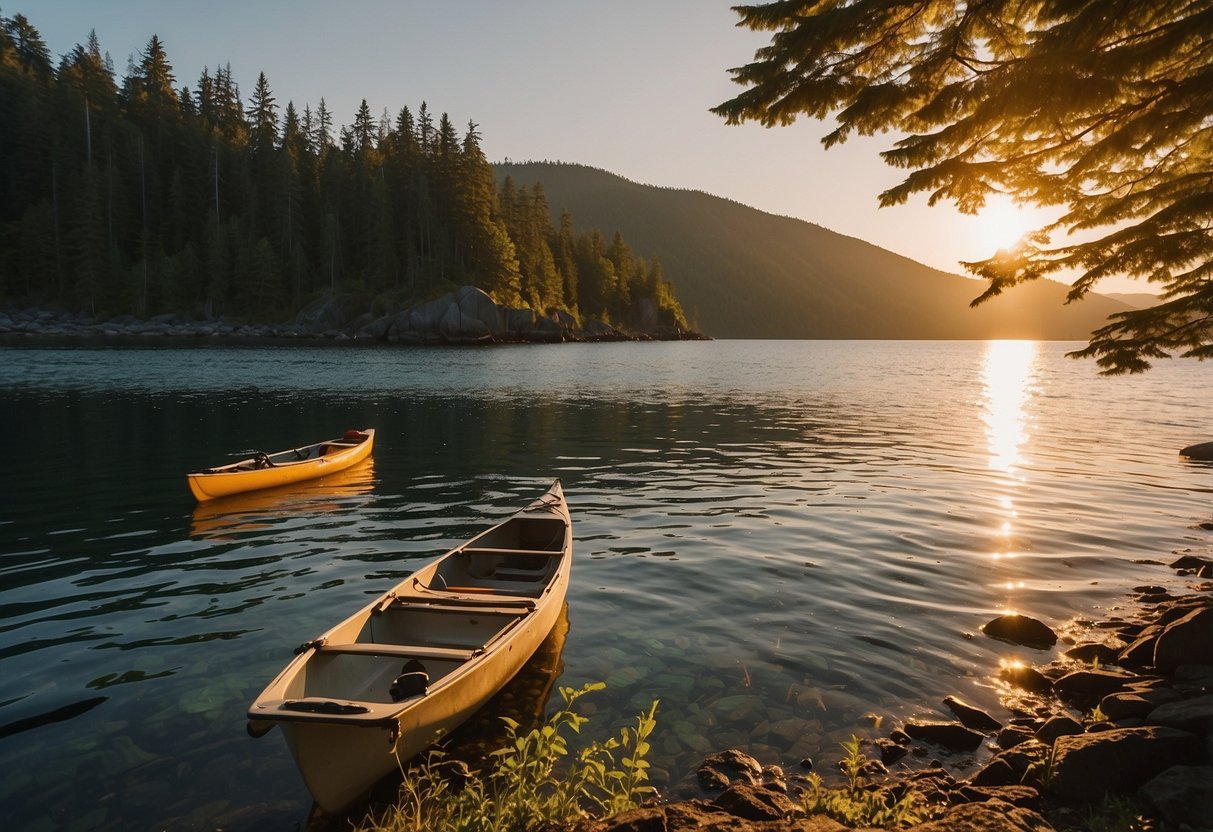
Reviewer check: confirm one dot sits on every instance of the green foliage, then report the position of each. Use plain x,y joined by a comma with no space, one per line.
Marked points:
143,197
534,781
1102,114
1116,813
862,804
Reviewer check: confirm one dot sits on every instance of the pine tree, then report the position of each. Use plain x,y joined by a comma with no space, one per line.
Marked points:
1101,109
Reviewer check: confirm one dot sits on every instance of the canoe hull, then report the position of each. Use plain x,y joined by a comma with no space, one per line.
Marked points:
472,617
241,477
338,763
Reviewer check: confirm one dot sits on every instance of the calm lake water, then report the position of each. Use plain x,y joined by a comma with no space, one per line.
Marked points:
777,539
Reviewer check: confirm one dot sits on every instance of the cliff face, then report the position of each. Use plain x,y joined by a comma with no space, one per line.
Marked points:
743,273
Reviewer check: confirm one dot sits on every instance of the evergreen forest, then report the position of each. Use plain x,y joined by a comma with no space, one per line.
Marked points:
140,195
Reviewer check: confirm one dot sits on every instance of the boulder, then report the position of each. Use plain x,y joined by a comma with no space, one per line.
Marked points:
1088,766
1186,641
1095,652
991,816
1058,726
1026,677
1188,715
1140,653
1182,795
321,314
1021,629
971,717
723,768
1011,766
1084,688
1013,735
477,305
948,734
755,802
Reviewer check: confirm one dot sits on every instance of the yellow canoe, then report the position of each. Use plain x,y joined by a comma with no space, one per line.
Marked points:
407,669
295,465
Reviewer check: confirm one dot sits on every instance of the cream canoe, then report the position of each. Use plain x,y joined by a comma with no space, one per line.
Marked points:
405,670
283,468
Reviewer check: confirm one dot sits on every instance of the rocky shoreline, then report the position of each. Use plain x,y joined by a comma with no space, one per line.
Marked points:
1121,723
465,316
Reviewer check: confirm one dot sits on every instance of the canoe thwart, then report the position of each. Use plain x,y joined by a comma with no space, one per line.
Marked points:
403,650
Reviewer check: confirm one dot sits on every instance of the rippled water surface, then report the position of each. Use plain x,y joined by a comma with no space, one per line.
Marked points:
777,539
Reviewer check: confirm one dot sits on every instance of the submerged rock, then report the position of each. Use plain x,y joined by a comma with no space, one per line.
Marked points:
1021,629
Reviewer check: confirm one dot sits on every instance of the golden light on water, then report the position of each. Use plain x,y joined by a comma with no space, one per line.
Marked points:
1007,377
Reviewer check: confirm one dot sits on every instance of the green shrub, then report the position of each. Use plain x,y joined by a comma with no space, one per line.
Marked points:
861,804
532,782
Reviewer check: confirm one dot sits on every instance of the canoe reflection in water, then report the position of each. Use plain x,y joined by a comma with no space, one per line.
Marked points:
260,510
524,699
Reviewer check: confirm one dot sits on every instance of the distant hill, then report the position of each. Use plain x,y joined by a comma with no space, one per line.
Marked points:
1137,300
743,273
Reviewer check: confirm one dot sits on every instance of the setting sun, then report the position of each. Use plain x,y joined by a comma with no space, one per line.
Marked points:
1000,225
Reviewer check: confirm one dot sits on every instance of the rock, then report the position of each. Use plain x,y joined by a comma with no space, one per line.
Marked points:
1182,794
755,802
1188,715
1122,705
1086,687
1013,735
971,717
720,770
1094,652
1088,766
1201,450
1190,562
1021,629
991,816
890,752
1023,796
948,734
1186,641
1140,653
1058,726
997,772
1026,677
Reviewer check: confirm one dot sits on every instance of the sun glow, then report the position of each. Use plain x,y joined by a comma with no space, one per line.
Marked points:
1000,225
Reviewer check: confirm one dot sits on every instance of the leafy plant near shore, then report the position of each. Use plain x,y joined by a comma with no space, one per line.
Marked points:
1116,813
527,787
860,803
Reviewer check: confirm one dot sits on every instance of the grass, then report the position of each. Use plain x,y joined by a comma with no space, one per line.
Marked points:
859,803
533,781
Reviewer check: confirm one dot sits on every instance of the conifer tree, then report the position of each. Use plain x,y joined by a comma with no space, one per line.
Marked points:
1100,109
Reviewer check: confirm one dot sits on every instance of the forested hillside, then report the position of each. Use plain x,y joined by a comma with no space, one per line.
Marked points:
742,273
142,195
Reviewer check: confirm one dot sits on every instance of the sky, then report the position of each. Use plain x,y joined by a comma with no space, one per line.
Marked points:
623,85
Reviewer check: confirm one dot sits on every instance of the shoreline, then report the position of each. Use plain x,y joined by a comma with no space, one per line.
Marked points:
466,317
1121,721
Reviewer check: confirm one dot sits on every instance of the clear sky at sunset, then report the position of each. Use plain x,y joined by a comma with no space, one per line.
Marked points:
622,85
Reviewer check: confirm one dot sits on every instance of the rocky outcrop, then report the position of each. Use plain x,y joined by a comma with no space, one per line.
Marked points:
465,316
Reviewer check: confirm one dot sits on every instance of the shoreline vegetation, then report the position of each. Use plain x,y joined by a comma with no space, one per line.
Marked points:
462,317
1115,733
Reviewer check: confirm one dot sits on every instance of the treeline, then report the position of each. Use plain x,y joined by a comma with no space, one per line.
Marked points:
141,196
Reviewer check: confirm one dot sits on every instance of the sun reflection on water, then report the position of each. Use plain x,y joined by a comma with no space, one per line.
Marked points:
1008,376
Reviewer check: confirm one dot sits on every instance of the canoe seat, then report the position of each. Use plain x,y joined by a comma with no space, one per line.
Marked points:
458,654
